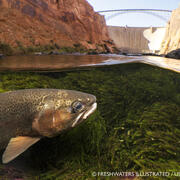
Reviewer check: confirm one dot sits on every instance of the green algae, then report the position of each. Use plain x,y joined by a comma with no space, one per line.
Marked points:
136,127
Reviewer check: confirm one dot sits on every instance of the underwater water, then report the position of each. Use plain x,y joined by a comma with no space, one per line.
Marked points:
136,127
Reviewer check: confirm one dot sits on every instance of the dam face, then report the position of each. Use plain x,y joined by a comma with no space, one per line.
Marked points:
137,39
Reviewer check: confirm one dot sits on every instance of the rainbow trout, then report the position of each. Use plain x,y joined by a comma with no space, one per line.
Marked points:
28,115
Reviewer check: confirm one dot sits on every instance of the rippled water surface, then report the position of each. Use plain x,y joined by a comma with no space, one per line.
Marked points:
64,62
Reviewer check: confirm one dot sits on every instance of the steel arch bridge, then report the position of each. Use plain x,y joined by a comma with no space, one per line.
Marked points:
162,14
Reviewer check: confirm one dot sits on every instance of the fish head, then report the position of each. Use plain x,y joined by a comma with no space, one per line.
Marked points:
66,111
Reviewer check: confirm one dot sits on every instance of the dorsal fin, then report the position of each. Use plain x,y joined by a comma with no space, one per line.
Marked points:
17,146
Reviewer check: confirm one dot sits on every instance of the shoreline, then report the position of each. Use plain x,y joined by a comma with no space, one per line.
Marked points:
48,49
76,49
74,52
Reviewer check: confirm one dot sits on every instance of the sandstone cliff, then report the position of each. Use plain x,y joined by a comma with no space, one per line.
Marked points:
172,36
42,22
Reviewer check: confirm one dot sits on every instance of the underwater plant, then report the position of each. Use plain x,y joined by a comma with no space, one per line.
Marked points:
135,129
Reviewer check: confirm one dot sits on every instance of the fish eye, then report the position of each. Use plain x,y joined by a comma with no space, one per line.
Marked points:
77,106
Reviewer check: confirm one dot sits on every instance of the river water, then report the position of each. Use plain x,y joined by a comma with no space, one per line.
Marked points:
65,62
131,100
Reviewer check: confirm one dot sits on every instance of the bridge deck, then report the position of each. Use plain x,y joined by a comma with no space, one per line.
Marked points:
118,10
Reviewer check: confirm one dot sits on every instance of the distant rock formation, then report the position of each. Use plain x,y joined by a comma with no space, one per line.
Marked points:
42,22
172,37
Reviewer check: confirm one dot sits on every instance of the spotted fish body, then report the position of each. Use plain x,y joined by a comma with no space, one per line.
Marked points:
28,115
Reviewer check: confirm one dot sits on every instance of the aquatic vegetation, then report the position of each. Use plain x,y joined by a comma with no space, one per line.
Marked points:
136,127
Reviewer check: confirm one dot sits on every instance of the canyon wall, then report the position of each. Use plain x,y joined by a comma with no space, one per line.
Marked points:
61,22
172,36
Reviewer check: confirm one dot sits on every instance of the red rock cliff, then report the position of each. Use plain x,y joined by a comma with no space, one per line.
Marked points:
41,22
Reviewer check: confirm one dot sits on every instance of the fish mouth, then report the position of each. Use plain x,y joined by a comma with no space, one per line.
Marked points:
90,111
85,115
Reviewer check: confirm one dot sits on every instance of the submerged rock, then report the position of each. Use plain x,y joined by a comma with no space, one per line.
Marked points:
174,54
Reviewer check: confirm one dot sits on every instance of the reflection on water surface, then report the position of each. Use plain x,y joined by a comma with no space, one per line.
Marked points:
64,62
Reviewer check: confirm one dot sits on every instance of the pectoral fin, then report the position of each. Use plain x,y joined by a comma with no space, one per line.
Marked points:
17,146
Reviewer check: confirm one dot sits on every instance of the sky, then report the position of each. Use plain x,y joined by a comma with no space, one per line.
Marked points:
135,19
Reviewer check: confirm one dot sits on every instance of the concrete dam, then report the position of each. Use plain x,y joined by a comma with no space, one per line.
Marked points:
137,39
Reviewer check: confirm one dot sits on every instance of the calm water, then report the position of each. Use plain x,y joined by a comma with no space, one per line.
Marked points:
65,62
154,96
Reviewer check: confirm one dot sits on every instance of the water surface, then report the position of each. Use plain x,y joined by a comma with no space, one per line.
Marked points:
65,62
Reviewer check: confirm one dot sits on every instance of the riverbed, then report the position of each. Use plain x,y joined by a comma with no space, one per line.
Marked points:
136,127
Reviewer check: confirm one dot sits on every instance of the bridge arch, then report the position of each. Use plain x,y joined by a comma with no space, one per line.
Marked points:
109,14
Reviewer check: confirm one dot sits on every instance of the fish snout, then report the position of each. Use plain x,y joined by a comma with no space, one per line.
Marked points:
90,110
91,100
